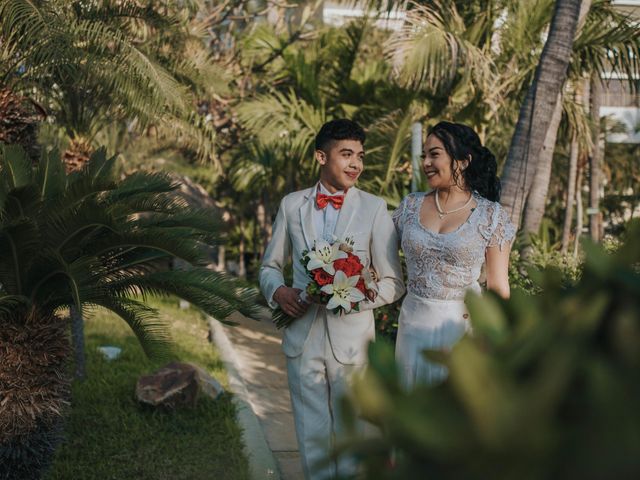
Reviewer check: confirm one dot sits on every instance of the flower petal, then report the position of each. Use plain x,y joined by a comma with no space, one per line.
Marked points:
333,302
356,295
315,263
339,255
346,304
329,268
327,289
340,279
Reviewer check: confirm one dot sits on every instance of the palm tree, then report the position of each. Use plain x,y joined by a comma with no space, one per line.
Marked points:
19,121
93,63
339,72
87,240
537,109
607,42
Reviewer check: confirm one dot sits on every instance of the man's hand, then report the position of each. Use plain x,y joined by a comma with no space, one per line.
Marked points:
289,300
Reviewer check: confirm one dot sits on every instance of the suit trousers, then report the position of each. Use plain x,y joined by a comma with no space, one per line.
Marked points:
317,382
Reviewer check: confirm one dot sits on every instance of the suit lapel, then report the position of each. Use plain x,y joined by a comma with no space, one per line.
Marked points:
306,218
347,212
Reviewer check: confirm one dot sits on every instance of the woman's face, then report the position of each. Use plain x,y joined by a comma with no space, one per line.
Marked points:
436,165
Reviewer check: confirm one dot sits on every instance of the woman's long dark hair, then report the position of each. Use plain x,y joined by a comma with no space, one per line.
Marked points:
462,142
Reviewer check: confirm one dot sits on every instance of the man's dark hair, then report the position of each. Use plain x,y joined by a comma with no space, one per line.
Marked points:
340,129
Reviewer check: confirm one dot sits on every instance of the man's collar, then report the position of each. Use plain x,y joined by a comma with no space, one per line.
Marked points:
324,190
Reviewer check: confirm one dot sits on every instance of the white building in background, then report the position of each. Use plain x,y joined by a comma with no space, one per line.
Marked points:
618,102
339,13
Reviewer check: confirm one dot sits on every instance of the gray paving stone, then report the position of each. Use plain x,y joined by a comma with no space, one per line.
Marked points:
267,401
289,465
280,431
262,365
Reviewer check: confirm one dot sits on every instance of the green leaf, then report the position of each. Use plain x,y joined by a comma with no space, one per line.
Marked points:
487,316
16,167
50,175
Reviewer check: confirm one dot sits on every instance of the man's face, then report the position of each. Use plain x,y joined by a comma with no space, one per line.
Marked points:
341,164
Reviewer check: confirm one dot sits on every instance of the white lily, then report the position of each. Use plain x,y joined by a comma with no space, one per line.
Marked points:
324,255
343,291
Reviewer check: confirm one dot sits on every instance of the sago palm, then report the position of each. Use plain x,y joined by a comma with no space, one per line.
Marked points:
87,240
92,63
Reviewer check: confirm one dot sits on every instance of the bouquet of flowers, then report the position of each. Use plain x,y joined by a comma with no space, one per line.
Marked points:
339,280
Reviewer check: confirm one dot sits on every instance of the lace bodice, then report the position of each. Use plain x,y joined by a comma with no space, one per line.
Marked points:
446,265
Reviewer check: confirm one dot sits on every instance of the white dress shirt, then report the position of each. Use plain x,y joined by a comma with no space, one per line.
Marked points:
324,220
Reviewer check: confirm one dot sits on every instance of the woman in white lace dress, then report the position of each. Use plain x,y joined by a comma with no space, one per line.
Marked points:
447,235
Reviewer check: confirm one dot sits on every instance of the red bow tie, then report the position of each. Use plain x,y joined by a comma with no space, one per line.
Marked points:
323,200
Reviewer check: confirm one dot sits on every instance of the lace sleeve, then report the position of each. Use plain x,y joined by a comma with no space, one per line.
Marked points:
398,217
503,231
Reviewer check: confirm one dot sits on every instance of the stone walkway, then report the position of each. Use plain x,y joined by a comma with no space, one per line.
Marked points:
262,365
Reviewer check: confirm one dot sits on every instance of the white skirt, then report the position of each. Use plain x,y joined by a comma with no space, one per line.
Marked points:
427,324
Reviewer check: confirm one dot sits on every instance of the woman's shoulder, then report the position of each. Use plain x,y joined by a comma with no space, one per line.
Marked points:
495,224
490,207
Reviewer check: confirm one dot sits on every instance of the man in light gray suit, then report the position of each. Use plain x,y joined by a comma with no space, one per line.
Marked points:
324,349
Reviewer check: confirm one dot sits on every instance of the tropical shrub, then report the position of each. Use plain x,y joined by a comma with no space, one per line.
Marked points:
545,388
87,240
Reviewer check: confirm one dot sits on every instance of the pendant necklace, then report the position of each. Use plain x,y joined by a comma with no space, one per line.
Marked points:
442,213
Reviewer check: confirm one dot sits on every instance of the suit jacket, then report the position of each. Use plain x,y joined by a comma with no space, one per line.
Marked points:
363,217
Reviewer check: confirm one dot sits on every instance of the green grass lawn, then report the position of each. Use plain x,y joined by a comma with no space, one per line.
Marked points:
108,435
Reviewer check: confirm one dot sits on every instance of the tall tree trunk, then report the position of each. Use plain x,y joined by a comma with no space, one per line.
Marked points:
77,335
222,258
595,163
571,194
538,107
537,199
579,208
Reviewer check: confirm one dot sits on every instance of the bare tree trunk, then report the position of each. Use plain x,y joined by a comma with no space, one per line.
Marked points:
537,199
571,195
538,107
579,208
595,164
222,259
77,335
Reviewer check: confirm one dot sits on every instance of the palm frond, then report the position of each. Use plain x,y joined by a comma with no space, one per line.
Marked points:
151,330
577,121
141,182
203,222
10,303
280,117
128,69
431,48
608,43
20,244
93,241
15,167
33,38
194,132
214,292
50,175
110,12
